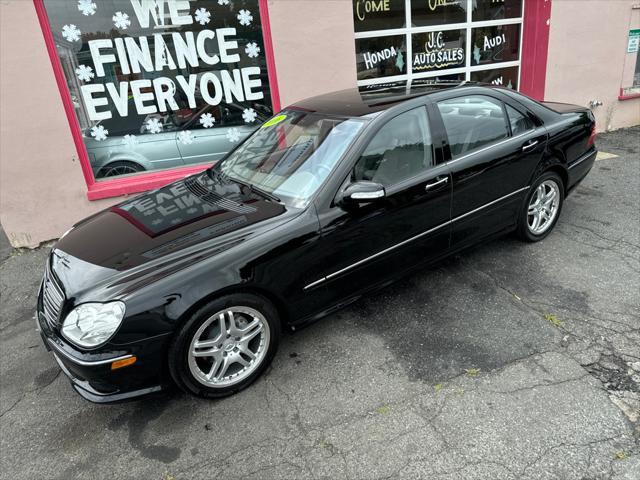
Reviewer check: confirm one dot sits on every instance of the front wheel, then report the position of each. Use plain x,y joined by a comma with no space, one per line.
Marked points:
542,208
225,346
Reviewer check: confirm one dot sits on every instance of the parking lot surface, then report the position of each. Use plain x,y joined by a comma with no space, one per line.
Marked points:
509,361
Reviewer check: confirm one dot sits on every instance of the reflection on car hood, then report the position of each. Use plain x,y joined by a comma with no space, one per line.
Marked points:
163,222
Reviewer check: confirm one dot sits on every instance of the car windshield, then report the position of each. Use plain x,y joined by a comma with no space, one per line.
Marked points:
291,154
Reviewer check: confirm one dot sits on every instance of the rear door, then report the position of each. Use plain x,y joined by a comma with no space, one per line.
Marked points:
493,151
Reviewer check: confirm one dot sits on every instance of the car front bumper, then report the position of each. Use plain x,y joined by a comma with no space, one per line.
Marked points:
91,373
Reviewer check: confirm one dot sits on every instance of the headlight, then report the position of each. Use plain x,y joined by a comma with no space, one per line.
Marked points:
91,324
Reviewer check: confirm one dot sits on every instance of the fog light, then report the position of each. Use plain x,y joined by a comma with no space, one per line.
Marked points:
125,362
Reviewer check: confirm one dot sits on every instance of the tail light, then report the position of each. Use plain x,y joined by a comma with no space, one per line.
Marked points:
592,137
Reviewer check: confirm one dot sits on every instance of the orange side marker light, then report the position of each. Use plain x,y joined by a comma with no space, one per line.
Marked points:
123,363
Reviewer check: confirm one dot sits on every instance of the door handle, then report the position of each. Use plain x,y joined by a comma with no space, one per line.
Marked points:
431,185
528,146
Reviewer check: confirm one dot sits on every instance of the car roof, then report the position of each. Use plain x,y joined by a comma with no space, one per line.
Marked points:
371,100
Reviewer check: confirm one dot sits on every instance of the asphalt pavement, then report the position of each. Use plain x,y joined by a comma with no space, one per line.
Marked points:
509,361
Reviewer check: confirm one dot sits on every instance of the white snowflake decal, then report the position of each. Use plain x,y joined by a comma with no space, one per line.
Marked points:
245,17
185,137
223,2
249,115
71,33
99,132
207,120
130,140
233,135
87,7
154,125
121,20
252,50
202,16
85,73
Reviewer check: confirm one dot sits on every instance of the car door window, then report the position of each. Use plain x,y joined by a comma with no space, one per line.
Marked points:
400,150
472,122
519,123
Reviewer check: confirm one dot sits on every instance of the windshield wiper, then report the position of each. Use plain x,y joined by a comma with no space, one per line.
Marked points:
254,189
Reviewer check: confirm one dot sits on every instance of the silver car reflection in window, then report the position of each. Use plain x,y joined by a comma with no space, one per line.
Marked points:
183,139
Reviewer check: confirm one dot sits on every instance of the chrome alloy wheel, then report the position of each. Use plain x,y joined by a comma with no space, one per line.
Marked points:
229,346
543,207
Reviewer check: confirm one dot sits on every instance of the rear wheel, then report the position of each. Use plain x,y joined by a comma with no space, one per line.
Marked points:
118,168
542,208
225,346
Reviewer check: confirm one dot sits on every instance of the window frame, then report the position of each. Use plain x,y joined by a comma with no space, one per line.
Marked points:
467,26
141,182
534,44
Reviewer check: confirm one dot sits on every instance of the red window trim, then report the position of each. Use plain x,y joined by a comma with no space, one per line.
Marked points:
143,181
535,46
627,96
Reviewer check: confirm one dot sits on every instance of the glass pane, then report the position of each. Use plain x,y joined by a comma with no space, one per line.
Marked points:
472,122
161,84
400,150
443,77
438,12
519,123
496,9
495,44
291,154
506,77
381,56
378,14
438,50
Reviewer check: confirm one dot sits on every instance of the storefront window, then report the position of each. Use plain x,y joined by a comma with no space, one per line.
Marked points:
378,14
381,57
438,12
500,43
505,77
439,50
496,9
630,87
444,40
161,84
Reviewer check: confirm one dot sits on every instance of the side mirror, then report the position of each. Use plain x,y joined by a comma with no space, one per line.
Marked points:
361,192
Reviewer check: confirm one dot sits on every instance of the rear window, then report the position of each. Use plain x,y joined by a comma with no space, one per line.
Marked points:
519,123
472,122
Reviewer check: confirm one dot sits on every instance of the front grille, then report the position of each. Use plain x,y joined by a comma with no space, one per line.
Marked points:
52,299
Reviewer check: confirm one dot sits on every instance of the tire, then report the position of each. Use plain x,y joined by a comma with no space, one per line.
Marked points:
120,167
530,231
208,374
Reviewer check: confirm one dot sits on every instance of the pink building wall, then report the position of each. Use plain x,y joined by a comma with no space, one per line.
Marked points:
42,190
587,58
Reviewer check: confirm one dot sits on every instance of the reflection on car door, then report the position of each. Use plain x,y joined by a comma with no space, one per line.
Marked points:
367,245
493,156
213,143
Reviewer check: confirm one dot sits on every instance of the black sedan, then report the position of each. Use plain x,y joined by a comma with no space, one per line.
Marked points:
333,197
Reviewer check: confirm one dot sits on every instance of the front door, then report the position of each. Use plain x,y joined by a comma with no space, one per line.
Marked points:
373,243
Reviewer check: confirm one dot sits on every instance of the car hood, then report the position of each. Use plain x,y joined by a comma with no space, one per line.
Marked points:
164,226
